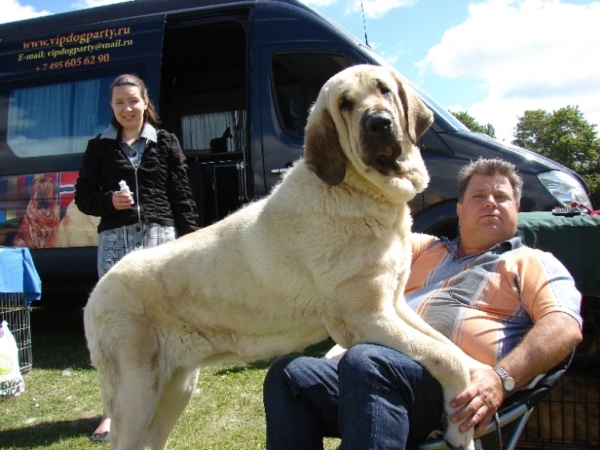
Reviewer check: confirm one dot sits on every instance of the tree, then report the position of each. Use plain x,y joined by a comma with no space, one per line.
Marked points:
469,122
529,129
566,137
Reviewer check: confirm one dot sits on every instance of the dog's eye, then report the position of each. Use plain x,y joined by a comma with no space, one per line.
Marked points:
346,104
383,89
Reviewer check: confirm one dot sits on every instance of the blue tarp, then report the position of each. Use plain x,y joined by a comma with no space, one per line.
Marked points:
18,274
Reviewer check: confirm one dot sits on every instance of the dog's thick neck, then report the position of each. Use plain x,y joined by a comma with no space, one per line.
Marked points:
391,190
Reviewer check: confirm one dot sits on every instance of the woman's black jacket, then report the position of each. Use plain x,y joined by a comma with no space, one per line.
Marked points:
160,187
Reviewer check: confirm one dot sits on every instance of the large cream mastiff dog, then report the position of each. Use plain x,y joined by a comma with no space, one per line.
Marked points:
326,253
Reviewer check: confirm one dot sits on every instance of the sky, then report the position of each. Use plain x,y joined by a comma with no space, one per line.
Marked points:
494,59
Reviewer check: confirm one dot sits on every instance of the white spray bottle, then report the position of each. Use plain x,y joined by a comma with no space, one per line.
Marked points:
124,188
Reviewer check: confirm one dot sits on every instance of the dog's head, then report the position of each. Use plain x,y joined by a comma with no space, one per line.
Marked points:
44,193
367,120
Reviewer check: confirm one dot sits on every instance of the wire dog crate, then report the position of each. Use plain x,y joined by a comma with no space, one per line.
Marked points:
568,418
15,312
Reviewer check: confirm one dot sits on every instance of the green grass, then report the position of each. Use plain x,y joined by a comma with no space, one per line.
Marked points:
61,406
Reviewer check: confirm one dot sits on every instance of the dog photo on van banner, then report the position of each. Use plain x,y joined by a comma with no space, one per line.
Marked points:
38,211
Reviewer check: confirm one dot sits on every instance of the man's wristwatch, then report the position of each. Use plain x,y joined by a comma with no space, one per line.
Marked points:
508,382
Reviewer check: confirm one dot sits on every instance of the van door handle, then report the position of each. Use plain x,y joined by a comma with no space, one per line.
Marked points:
288,166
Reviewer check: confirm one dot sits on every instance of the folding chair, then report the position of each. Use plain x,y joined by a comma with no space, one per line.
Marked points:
512,415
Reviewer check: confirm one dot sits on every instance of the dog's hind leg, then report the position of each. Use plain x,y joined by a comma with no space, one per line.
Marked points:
176,394
134,403
136,385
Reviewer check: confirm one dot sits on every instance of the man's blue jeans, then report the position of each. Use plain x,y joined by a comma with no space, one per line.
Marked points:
375,398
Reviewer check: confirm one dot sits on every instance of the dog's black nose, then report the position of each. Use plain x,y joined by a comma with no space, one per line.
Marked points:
379,124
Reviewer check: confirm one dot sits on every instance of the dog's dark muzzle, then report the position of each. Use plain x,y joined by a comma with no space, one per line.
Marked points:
380,142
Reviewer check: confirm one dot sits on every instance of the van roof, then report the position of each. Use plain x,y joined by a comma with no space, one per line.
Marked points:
135,8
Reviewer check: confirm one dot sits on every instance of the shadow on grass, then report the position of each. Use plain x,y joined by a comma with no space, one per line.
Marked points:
238,369
44,434
58,340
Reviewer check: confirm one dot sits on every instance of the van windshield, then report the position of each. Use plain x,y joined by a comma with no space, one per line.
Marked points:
56,119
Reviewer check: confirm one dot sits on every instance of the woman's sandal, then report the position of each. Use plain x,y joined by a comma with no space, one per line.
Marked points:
99,437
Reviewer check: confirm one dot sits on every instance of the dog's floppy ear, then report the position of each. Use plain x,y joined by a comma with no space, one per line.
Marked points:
31,187
323,153
418,116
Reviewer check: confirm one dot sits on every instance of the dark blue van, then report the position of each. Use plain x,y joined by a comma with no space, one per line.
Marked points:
234,79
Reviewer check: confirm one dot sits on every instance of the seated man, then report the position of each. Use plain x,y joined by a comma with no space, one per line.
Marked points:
511,307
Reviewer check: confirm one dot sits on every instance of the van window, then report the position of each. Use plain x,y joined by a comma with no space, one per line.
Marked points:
298,78
56,119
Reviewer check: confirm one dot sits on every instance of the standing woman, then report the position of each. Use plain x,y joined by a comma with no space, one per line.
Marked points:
160,205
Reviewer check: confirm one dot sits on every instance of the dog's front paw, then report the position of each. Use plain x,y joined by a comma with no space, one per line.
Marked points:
455,440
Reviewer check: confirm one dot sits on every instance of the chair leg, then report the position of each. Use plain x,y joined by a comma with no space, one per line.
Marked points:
511,443
509,434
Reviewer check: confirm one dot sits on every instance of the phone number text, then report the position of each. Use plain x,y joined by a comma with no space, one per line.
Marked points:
74,62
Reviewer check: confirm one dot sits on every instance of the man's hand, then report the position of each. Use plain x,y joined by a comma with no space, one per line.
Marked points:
539,351
479,402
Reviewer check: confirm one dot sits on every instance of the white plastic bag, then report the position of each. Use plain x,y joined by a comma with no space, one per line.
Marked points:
11,381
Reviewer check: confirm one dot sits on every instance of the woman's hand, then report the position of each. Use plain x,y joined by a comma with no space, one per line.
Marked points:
121,200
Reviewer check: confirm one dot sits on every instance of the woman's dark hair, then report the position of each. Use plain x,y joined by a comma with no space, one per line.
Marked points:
150,114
